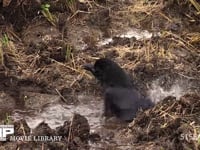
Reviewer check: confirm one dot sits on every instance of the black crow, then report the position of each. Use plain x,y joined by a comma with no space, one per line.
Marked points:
109,73
124,103
121,99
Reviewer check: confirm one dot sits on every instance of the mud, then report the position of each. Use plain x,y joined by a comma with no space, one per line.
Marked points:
169,120
45,91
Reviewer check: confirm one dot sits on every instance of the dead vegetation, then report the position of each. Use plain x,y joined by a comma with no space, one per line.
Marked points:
169,124
42,48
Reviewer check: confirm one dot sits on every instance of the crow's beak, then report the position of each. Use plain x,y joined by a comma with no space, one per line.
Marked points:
89,67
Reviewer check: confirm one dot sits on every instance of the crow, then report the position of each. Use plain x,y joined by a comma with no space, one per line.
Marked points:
109,73
124,103
120,97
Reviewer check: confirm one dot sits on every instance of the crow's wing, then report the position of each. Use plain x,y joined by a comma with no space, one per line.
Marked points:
126,102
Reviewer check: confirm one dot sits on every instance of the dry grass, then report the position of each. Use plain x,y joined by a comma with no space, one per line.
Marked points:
196,5
193,38
169,119
152,52
1,55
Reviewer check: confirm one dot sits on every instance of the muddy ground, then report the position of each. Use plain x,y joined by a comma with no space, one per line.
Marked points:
45,91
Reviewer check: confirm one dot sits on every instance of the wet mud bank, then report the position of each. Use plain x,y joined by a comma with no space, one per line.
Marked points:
45,91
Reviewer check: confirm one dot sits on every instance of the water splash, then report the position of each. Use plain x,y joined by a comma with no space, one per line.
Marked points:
158,93
137,33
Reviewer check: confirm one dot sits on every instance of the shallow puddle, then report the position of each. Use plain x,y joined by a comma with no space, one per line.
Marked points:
56,113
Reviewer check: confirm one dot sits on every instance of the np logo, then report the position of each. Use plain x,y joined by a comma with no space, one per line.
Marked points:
5,130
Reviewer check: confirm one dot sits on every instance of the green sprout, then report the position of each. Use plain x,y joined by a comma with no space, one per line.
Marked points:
71,4
47,14
4,43
68,52
5,40
8,119
1,56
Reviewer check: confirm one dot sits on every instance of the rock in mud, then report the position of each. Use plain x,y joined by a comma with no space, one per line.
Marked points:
43,129
78,127
21,128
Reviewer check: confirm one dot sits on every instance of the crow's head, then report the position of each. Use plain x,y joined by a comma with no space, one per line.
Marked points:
109,73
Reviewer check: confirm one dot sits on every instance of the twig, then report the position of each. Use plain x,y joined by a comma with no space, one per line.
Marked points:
73,69
62,97
191,78
78,11
70,129
78,78
42,146
22,128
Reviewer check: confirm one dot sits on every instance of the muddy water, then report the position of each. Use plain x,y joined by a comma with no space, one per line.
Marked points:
56,113
91,107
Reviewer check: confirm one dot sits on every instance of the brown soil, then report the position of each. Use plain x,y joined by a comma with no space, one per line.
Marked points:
42,57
